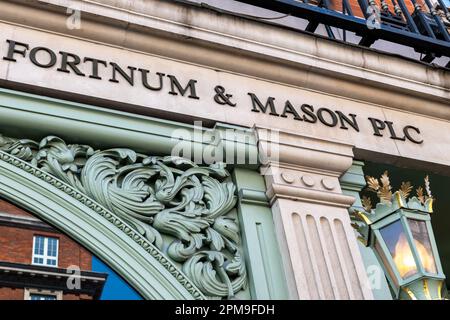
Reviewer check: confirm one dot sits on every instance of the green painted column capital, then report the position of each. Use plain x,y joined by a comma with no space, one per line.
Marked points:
352,182
264,262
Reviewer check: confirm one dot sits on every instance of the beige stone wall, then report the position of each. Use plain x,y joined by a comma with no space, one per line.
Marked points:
123,95
242,56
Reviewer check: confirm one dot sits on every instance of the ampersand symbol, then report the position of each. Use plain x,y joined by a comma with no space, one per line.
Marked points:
223,98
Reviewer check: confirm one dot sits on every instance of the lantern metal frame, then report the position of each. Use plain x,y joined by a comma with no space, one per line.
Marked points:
422,285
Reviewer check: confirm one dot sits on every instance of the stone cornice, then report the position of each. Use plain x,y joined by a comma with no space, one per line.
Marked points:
303,168
50,271
19,275
281,191
252,196
289,150
204,37
24,222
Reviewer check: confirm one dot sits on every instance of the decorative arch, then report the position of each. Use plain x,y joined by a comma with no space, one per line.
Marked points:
252,270
99,230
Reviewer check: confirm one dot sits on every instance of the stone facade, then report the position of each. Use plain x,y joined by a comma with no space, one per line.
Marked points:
134,79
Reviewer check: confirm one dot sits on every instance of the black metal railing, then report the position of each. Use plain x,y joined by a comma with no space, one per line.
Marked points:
423,26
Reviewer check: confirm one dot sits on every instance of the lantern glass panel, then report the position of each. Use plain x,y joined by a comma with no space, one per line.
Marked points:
397,242
423,244
385,261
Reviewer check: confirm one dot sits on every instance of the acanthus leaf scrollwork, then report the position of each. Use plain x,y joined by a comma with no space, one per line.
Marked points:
157,196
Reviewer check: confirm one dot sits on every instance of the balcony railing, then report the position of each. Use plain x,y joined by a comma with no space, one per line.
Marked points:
423,25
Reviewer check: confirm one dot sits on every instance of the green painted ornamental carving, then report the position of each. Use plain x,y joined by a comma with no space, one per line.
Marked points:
183,209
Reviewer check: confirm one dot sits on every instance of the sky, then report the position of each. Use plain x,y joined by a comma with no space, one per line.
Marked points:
115,287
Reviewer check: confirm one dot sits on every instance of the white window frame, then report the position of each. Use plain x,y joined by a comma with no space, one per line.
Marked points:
45,256
28,292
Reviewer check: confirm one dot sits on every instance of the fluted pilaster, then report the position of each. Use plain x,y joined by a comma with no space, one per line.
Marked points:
320,252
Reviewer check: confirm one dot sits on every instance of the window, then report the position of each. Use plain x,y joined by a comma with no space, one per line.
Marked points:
42,294
42,297
45,251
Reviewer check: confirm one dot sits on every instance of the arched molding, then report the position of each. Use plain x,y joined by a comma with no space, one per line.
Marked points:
34,117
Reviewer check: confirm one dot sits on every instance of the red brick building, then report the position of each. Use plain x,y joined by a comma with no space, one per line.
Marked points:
37,262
